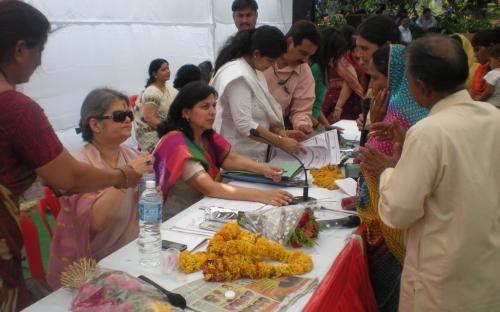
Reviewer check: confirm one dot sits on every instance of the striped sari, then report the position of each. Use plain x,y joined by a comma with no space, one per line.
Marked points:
174,148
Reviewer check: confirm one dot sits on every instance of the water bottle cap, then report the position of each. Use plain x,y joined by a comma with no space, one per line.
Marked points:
150,184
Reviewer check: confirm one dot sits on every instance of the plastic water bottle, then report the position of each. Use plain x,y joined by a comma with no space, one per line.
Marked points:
150,210
149,176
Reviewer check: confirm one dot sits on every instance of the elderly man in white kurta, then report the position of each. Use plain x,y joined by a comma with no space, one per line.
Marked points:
445,188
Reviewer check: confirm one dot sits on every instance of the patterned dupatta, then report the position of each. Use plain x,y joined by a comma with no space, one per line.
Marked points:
13,293
401,107
174,148
405,111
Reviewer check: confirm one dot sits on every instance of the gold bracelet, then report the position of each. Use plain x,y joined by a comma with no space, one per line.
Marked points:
124,176
338,109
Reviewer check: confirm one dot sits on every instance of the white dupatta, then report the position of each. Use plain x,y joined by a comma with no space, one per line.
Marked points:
240,68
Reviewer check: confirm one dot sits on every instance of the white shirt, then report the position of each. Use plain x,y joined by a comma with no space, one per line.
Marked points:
426,23
405,34
240,112
493,79
445,190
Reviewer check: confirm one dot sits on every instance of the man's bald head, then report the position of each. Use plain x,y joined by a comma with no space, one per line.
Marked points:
439,62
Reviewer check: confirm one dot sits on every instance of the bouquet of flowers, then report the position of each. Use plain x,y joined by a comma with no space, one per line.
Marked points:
104,290
294,225
306,231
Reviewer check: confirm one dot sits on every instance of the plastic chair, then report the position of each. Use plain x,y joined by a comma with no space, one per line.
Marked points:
52,201
42,209
346,286
32,247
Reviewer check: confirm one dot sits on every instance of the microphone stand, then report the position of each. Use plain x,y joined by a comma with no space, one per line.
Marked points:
364,132
305,191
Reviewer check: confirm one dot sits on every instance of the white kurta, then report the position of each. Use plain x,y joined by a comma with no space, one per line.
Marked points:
239,112
245,103
445,190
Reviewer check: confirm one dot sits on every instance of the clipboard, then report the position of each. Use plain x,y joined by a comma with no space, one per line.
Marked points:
256,178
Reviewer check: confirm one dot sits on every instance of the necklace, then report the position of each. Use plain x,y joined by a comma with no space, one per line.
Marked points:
110,164
283,82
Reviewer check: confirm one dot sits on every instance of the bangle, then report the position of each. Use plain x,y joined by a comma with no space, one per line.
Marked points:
124,176
338,109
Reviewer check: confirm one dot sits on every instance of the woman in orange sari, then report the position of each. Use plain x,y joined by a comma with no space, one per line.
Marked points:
481,42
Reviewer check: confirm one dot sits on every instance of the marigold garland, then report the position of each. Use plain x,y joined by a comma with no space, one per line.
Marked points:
326,176
234,253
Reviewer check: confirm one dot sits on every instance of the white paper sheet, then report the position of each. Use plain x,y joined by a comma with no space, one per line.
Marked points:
350,129
347,186
319,150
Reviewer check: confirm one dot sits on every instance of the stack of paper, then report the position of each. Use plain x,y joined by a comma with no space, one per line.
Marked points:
318,151
350,130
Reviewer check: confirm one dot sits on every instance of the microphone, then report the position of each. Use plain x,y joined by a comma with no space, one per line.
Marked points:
305,192
364,132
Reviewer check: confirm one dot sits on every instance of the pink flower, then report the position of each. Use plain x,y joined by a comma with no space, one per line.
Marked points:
127,307
130,285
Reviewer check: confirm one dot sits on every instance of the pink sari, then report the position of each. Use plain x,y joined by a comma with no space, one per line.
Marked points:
72,238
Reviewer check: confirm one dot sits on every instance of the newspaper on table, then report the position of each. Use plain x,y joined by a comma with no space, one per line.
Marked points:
318,151
264,295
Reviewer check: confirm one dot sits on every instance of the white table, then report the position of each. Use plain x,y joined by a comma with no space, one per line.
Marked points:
330,243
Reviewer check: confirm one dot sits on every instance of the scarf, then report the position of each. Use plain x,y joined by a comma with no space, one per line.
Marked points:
240,68
174,148
471,59
401,107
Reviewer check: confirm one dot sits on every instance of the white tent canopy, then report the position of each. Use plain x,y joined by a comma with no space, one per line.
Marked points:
110,43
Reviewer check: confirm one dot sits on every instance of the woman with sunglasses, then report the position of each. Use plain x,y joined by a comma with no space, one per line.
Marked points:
30,147
93,225
153,104
190,154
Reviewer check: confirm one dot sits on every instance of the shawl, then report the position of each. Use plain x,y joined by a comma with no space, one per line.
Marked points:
404,110
471,59
72,238
174,148
240,68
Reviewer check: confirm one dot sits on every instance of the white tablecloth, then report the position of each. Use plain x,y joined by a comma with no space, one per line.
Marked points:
330,243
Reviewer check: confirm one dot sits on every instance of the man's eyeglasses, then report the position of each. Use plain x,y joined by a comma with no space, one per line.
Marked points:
117,116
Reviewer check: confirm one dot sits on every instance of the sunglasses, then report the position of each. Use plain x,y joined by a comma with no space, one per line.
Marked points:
118,116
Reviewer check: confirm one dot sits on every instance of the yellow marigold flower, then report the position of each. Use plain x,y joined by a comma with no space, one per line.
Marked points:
326,176
233,253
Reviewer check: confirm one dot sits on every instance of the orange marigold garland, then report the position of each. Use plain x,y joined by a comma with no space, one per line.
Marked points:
234,253
326,176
